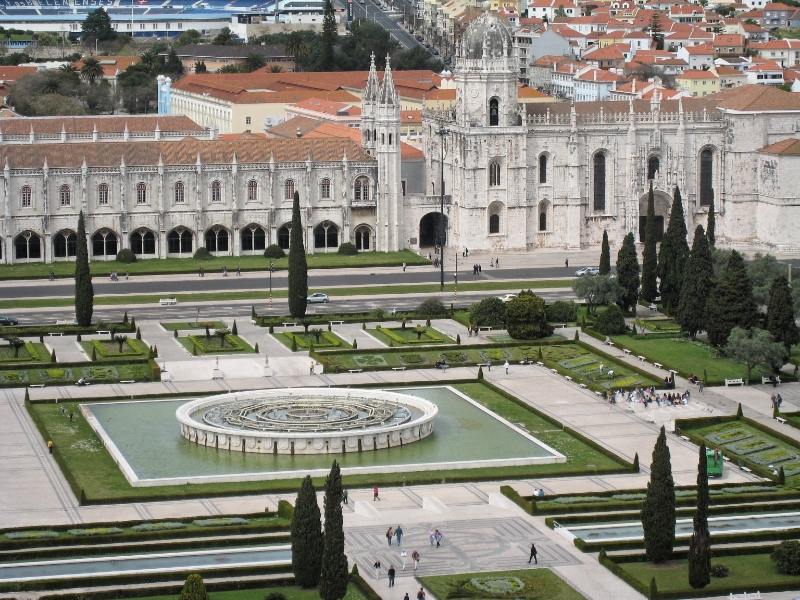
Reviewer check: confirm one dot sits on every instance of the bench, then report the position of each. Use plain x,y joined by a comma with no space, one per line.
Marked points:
746,469
683,437
608,343
103,333
253,322
734,382
37,385
484,328
336,322
128,381
653,307
481,364
65,322
767,380
673,371
289,324
626,351
598,394
658,365
398,368
555,371
642,358
355,370
168,301
567,377
583,385
561,325
541,364
58,333
781,420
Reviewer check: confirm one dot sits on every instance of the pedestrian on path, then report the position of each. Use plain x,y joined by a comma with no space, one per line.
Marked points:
71,414
344,496
50,446
375,494
566,264
404,267
432,537
406,596
377,566
506,366
533,555
438,537
403,558
389,535
415,558
421,594
398,534
489,364
202,272
701,386
311,368
238,271
391,575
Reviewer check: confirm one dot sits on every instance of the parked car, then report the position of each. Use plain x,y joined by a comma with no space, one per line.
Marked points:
587,271
435,51
8,321
507,297
317,297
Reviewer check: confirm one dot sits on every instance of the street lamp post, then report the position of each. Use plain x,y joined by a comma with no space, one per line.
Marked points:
455,276
271,269
442,132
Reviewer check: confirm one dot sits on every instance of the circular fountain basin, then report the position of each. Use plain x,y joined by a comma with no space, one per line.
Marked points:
307,420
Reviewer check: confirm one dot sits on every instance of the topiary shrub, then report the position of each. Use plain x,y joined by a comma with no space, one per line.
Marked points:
202,254
432,307
611,321
787,557
720,570
194,589
562,312
126,256
274,251
347,249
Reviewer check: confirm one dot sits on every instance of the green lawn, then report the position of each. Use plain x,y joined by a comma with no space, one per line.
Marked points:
110,349
213,344
30,352
539,584
53,374
749,572
201,326
291,593
584,367
410,336
410,357
326,341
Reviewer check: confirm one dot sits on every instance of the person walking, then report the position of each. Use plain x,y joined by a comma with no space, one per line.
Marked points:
533,555
377,566
431,537
202,272
506,366
415,558
375,494
391,573
421,594
489,364
71,414
404,267
398,533
403,558
389,535
438,537
406,596
311,368
50,446
701,386
344,496
566,264
238,271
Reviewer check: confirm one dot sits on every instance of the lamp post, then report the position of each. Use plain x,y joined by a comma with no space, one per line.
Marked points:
271,269
442,132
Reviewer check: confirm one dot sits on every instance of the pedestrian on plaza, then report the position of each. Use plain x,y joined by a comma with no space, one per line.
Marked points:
566,264
50,446
491,262
496,263
601,368
489,364
701,386
406,596
421,594
311,368
467,251
375,494
344,496
52,276
391,575
71,414
438,537
415,558
533,555
389,535
403,558
506,366
480,270
404,267
224,271
377,566
202,272
398,533
238,271
431,537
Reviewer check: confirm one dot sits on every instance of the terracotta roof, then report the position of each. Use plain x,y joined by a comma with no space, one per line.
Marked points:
294,127
696,74
104,124
524,91
699,50
411,116
755,98
329,108
9,74
728,71
612,52
776,45
247,135
728,40
268,51
599,75
790,146
778,6
769,65
183,152
621,106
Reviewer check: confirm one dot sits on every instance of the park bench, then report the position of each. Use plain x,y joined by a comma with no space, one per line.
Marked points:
481,364
253,322
561,325
103,333
56,333
65,322
626,351
554,371
673,371
642,358
583,385
289,324
37,385
168,301
608,343
398,368
658,365
336,322
781,420
128,381
484,328
541,364
746,469
355,370
734,382
767,380
598,394
567,377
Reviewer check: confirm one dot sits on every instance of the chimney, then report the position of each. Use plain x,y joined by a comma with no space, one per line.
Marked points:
298,133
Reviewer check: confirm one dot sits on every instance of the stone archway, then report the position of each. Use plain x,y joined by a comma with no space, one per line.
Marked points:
663,204
430,230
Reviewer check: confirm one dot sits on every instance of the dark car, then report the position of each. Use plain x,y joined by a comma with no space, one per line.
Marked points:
8,321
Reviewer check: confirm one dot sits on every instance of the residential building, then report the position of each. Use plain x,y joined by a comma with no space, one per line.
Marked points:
698,84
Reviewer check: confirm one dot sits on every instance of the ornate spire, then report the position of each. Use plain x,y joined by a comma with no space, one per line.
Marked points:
373,88
388,93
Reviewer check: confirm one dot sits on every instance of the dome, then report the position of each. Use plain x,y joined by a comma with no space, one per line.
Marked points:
491,29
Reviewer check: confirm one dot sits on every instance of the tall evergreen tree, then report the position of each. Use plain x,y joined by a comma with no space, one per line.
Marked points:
698,281
605,256
780,314
700,544
658,511
306,536
649,256
84,291
731,302
628,272
329,38
673,253
711,231
334,579
298,268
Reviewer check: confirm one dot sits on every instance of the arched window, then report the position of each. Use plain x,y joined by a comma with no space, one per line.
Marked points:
288,189
217,239
65,195
102,194
252,191
706,177
254,238
325,189
65,244
362,189
494,112
179,241
543,168
141,193
494,224
543,220
653,166
362,237
25,197
104,243
143,241
216,191
494,174
599,181
28,245
179,193
326,235
283,237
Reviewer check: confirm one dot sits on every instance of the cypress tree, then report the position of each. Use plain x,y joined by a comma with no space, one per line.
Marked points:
698,281
306,535
658,511
194,589
334,578
139,333
84,292
234,329
298,268
125,318
605,256
133,323
673,253
628,272
649,257
712,222
700,545
329,38
731,302
94,354
780,314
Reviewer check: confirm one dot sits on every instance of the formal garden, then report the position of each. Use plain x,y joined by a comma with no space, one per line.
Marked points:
193,326
121,346
215,341
316,337
416,335
19,351
529,584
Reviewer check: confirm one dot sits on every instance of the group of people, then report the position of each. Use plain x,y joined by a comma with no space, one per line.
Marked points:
648,395
698,382
441,364
476,269
776,401
465,253
202,272
494,262
112,277
472,329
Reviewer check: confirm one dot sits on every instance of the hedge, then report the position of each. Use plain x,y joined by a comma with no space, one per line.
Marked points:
364,587
155,372
429,337
331,339
233,344
33,355
37,330
100,346
285,510
517,499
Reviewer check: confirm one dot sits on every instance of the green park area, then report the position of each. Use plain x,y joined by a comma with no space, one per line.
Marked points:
219,341
114,349
23,353
410,335
530,584
65,374
321,339
290,593
199,326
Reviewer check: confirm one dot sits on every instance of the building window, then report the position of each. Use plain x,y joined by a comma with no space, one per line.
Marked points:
28,245
25,197
252,191
254,238
179,241
65,195
653,166
543,168
326,235
179,189
362,237
494,112
288,189
248,121
65,244
494,174
599,181
543,220
494,224
141,193
143,241
325,189
216,191
104,243
362,190
102,194
217,239
283,237
706,177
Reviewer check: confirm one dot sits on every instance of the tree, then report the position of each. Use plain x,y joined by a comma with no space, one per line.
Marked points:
754,347
489,311
298,268
16,344
649,257
712,222
611,321
150,60
730,303
656,31
417,58
97,26
91,69
526,318
173,65
120,339
697,284
605,256
658,511
138,88
51,84
306,535
673,253
84,292
334,576
277,69
329,38
225,37
700,544
628,273
560,12
780,314
222,333
254,62
763,269
296,45
194,589
597,290
200,67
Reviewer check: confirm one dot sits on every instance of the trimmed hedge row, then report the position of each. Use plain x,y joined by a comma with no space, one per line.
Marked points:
429,337
364,587
331,339
200,342
100,346
37,330
285,510
33,355
155,372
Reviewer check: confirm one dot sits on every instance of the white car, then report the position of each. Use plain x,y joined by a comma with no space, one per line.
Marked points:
587,271
317,297
507,297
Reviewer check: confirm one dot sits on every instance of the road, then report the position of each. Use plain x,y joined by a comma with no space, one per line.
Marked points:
372,12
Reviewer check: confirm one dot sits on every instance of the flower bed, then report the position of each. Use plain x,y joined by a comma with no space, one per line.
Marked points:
110,348
31,535
398,335
776,455
211,345
55,374
370,360
412,359
304,340
167,525
95,531
221,522
728,436
26,353
13,377
750,445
